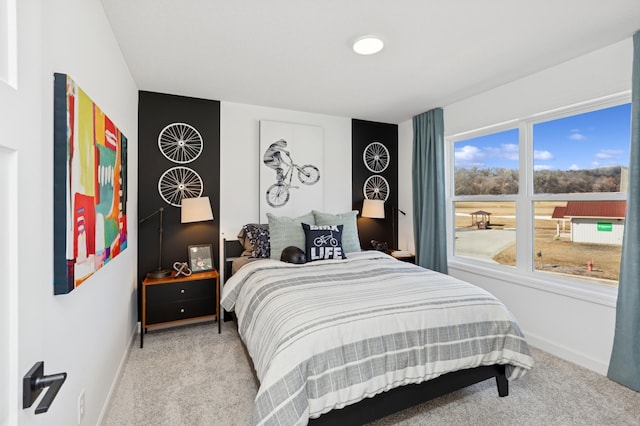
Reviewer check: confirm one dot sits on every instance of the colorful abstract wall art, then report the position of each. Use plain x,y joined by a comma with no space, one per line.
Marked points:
90,187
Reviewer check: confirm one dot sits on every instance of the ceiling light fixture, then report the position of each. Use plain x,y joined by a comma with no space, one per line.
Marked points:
368,45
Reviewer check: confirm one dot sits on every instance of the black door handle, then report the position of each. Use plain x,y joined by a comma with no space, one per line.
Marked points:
33,383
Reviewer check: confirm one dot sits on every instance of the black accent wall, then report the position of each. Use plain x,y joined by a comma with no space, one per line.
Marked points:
155,111
364,133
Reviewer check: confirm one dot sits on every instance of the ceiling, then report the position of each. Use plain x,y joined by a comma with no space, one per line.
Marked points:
296,54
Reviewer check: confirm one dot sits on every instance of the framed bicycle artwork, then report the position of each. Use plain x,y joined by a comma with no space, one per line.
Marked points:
201,257
291,169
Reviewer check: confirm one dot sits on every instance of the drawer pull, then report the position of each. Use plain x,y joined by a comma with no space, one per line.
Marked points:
182,310
182,291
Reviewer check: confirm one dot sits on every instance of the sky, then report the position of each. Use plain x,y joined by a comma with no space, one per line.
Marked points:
584,141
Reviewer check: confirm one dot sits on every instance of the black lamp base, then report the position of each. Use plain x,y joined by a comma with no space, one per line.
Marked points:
159,273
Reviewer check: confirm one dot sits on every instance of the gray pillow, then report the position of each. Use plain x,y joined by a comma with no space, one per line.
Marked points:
350,240
285,231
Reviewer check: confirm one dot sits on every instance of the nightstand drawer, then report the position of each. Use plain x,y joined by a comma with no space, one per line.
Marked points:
167,312
174,292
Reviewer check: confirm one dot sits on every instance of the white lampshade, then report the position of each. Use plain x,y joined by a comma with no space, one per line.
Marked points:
373,209
196,210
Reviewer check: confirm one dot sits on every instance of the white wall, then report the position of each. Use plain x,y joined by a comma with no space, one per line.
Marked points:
240,160
87,332
579,329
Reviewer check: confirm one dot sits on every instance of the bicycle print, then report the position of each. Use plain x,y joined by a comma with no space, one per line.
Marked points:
278,158
322,240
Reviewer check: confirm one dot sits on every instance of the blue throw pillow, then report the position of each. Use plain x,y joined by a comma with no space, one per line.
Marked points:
323,242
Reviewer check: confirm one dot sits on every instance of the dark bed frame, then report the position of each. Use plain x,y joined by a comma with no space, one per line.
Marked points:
393,400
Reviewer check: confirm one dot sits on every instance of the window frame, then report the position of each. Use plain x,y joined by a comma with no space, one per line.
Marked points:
524,271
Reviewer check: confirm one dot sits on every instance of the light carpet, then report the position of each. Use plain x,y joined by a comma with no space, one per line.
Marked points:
191,375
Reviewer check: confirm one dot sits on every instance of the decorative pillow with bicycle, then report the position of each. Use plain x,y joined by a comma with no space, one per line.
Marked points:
323,242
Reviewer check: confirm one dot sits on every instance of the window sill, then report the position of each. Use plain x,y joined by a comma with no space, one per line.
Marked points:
574,288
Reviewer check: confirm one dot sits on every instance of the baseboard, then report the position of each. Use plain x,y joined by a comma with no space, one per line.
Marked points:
118,375
567,354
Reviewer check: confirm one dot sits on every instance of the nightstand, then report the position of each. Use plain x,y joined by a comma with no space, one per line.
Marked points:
172,300
410,259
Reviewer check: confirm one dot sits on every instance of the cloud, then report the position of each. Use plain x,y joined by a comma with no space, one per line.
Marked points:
473,156
492,151
574,167
510,151
468,154
506,151
609,153
542,155
576,135
538,167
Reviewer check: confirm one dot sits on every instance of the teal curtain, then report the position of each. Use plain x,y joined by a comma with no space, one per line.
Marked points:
624,367
429,220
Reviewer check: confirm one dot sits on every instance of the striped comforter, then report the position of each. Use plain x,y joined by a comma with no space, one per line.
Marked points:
327,334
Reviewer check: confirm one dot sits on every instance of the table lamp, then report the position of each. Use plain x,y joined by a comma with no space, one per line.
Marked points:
373,209
196,210
159,272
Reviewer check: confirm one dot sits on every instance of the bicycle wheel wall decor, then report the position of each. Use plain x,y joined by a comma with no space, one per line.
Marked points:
180,143
376,157
178,183
376,188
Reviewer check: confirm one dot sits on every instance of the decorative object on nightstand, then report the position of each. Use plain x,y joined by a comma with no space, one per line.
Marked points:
200,257
159,272
377,245
175,299
181,268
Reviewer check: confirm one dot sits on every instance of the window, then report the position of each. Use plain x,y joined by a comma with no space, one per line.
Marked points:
486,166
554,186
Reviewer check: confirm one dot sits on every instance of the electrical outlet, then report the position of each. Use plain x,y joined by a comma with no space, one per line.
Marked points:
81,407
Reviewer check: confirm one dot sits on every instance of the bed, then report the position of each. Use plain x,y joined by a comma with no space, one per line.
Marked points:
345,341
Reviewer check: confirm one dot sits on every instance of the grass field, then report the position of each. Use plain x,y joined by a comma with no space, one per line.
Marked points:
554,253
